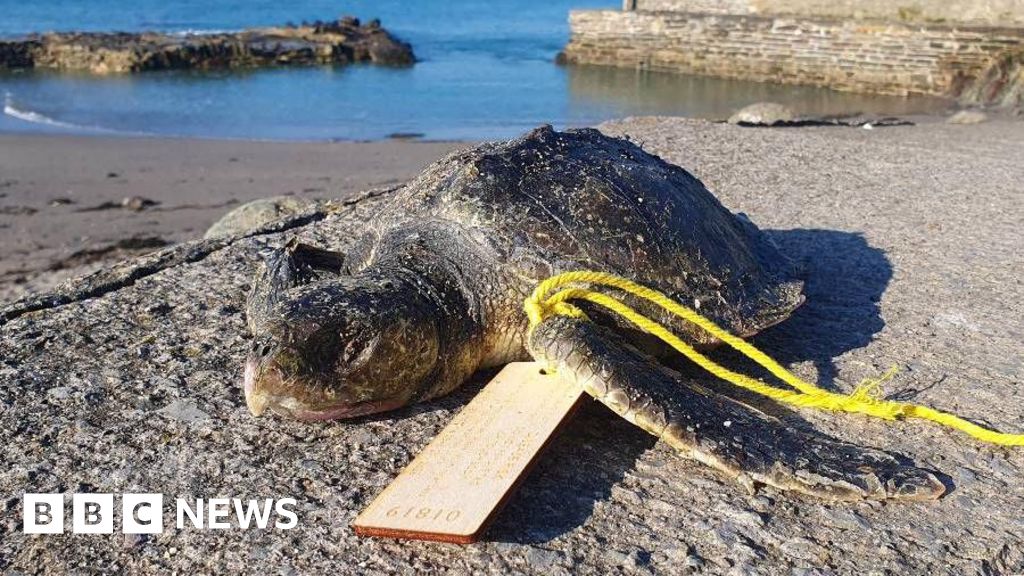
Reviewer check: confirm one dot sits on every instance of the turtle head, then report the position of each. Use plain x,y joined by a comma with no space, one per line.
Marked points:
341,350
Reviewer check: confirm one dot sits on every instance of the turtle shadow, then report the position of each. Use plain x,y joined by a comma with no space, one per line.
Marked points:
844,280
579,468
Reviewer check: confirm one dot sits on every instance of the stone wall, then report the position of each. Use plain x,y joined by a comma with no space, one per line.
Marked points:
992,12
891,58
708,6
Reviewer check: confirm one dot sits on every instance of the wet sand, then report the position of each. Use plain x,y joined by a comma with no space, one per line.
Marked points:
60,196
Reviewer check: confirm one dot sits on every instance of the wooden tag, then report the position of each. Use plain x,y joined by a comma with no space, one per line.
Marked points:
456,485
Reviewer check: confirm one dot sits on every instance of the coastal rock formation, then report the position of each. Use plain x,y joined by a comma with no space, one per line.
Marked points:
763,114
1000,83
341,42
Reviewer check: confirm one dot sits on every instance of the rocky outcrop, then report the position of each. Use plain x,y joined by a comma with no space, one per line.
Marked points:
341,42
763,114
1000,83
254,214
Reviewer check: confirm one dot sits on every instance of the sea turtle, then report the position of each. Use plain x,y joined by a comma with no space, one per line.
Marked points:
433,290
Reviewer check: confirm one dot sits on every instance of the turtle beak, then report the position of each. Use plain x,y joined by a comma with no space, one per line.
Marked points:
255,398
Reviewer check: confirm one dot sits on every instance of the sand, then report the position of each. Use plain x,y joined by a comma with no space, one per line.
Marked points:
52,186
910,242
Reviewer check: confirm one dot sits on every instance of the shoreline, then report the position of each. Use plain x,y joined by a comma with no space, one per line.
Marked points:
61,196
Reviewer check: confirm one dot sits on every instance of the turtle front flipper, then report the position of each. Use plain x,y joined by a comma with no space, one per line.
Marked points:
716,430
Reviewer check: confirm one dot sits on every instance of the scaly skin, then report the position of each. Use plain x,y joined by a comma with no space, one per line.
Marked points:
720,432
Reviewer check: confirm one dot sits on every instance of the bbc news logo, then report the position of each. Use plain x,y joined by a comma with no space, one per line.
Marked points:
144,513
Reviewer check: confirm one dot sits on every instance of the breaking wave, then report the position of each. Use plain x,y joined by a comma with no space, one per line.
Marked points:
201,32
25,115
35,117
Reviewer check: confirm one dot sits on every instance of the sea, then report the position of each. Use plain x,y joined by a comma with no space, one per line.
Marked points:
486,70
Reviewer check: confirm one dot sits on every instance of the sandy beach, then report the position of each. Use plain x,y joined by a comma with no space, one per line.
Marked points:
61,196
909,238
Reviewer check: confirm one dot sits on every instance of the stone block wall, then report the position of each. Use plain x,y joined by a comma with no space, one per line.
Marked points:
889,58
708,6
992,12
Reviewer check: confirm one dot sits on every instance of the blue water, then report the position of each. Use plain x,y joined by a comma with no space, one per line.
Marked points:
486,70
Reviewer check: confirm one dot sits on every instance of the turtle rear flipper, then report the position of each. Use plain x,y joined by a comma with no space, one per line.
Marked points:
719,431
285,267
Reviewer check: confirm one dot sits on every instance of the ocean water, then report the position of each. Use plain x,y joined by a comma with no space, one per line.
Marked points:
486,70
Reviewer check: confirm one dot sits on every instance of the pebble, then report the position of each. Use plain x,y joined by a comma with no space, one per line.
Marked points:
846,519
183,411
616,557
59,393
541,559
966,474
676,553
803,549
743,516
967,117
761,503
362,437
137,203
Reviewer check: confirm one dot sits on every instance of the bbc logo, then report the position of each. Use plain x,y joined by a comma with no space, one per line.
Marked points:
143,513
93,513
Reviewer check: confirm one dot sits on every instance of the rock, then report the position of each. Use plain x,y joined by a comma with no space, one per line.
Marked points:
740,515
846,519
254,214
966,475
630,562
763,114
542,560
1000,83
968,117
616,557
340,42
137,203
59,393
803,549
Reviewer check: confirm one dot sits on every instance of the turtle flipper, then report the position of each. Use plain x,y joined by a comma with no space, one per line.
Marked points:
719,431
285,267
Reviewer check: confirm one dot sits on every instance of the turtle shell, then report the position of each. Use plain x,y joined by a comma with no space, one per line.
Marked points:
551,202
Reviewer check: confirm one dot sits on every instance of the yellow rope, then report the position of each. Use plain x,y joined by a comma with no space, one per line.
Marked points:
864,399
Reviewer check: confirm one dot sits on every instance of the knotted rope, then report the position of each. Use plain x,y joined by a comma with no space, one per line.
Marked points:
863,400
